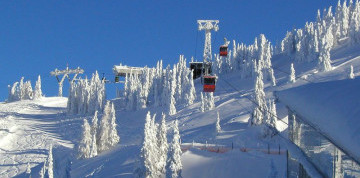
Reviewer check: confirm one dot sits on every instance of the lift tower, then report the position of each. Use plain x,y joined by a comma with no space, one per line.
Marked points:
208,26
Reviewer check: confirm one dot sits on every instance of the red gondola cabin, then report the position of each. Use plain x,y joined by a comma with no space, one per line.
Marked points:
209,83
223,50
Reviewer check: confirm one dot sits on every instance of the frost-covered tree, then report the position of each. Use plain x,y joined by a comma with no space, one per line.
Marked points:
93,147
86,96
292,78
147,165
351,74
217,124
113,135
207,101
174,165
325,47
28,169
162,145
104,129
37,92
50,164
85,142
27,90
271,119
20,91
258,113
172,102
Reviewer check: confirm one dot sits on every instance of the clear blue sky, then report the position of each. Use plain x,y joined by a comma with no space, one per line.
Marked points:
38,36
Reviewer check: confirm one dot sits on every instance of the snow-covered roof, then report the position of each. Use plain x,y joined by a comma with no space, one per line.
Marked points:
332,108
122,70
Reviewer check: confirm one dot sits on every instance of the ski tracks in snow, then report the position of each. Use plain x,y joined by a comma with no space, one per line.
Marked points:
26,133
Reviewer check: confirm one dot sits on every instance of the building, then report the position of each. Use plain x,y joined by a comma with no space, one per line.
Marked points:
324,124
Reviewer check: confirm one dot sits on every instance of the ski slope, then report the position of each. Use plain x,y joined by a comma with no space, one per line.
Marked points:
28,128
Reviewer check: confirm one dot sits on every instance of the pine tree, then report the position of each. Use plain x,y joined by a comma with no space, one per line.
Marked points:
37,92
351,75
292,78
28,169
217,124
114,137
162,145
104,129
325,47
50,167
172,102
147,167
257,116
85,142
174,165
93,147
202,107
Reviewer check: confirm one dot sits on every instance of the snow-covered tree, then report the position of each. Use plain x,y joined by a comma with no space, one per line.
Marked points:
147,164
50,164
174,165
85,142
93,147
86,96
202,106
325,47
162,145
37,92
28,169
351,74
104,129
258,113
217,124
292,78
114,137
207,101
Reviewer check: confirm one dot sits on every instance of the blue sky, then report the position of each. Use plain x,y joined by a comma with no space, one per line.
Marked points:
38,36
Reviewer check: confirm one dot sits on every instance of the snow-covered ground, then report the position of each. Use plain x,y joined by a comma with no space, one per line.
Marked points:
28,128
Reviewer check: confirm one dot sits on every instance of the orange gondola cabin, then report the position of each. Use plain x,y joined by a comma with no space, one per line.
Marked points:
209,83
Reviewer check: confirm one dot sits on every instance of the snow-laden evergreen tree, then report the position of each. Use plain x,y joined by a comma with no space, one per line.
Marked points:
207,101
86,96
351,74
37,92
257,116
271,119
94,135
50,164
172,102
28,169
217,124
85,142
114,137
147,165
20,91
162,145
325,47
28,91
174,165
93,147
292,78
104,129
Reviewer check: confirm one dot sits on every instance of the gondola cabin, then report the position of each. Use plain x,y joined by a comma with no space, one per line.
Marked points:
223,50
209,83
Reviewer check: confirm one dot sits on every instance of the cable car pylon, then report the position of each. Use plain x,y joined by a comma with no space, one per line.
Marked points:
208,79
